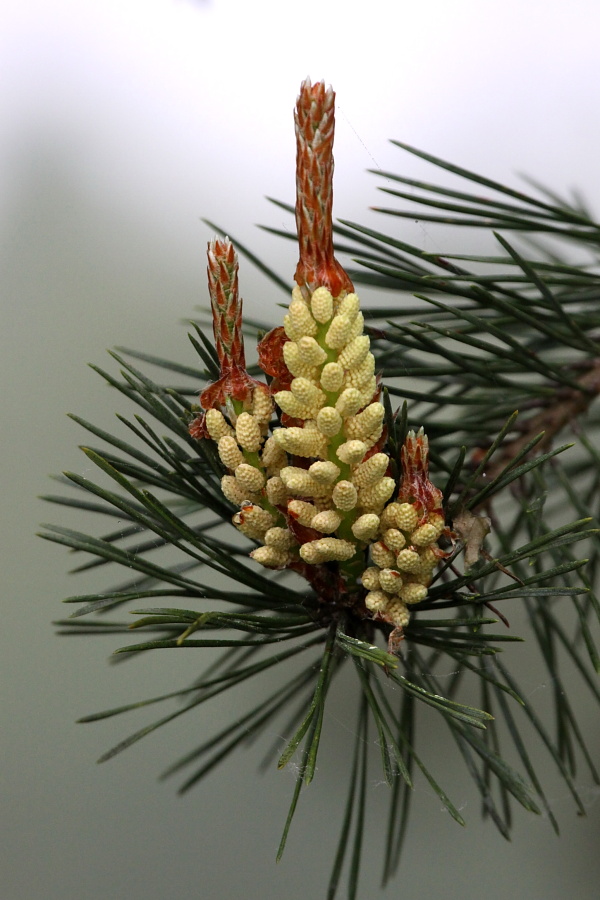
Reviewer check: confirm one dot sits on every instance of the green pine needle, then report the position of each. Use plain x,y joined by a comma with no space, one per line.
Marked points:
464,340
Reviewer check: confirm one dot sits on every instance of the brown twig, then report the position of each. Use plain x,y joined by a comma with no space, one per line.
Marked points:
551,420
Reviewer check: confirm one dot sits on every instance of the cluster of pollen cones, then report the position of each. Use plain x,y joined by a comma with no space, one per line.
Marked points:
305,454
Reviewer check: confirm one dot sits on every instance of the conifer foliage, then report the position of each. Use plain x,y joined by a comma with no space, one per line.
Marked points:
367,495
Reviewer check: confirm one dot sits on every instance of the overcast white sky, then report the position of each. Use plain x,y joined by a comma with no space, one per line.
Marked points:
168,110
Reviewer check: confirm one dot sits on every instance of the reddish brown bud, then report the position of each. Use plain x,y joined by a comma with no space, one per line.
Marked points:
416,486
315,122
270,357
197,427
225,302
234,381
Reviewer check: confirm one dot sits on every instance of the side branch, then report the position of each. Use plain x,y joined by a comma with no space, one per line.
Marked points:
561,410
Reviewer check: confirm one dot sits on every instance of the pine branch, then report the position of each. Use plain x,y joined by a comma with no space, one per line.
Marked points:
345,533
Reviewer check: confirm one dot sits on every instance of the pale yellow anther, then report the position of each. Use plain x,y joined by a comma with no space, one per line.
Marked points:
292,332
373,436
217,425
370,578
230,454
428,559
311,427
344,495
338,333
291,354
272,557
400,515
299,482
262,406
365,527
349,306
273,455
382,556
361,375
293,361
280,538
302,487
368,392
324,472
329,421
437,521
326,521
327,550
292,406
358,326
310,352
351,452
253,521
377,601
388,516
277,493
301,511
255,515
390,580
394,539
247,432
371,470
307,392
413,593
293,472
332,377
408,560
424,535
376,494
232,490
364,423
355,352
302,323
398,613
407,517
250,479
421,578
310,554
349,402
301,441
321,304
297,293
